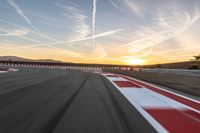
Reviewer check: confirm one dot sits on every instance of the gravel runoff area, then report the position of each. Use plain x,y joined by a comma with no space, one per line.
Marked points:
187,85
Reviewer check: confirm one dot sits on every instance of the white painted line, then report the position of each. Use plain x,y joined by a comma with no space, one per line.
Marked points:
3,71
158,127
170,102
146,100
126,88
117,79
167,99
150,99
165,90
13,69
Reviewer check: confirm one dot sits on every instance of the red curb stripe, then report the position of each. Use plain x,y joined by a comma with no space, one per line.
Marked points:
175,121
112,76
192,114
126,84
185,101
4,69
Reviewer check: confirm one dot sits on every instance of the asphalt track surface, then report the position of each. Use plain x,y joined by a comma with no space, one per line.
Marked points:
60,101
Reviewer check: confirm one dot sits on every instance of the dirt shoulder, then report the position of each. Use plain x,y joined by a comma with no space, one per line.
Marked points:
187,84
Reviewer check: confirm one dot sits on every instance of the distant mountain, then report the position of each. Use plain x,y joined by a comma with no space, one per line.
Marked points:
48,60
176,65
15,58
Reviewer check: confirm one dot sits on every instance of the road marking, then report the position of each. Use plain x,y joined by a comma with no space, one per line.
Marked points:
148,117
191,103
126,84
5,70
117,79
166,112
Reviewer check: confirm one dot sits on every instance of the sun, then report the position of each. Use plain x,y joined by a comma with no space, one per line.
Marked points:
135,61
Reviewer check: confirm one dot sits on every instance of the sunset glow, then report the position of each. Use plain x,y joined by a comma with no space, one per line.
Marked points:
104,31
135,62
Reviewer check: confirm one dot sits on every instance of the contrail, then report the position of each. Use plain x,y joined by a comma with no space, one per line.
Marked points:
104,34
68,42
98,35
86,38
20,27
21,35
116,6
170,31
16,32
21,13
94,18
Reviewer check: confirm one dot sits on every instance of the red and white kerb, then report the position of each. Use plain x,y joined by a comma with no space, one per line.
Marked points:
5,70
164,110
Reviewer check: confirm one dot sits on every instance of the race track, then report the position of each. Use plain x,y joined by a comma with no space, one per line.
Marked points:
58,101
69,101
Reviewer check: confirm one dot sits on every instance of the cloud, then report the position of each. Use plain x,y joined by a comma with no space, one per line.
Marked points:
21,34
115,5
21,13
104,34
123,5
43,17
38,42
80,28
133,6
40,53
68,43
170,22
96,55
21,28
16,32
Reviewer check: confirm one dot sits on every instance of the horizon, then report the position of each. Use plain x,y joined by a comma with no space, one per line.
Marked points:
122,32
21,59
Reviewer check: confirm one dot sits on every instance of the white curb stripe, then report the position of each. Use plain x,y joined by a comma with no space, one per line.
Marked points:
158,127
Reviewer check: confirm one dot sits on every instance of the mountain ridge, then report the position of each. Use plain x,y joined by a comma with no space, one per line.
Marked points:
16,58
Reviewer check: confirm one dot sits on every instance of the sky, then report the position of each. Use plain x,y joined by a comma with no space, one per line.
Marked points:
101,31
